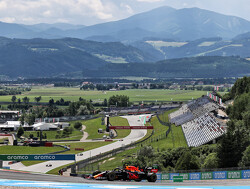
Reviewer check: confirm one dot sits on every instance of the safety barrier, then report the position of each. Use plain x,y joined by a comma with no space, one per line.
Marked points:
215,175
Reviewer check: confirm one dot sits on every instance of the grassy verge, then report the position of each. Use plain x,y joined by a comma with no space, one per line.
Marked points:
93,125
27,150
119,121
85,145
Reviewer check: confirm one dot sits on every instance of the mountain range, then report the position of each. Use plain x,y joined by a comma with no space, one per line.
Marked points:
144,42
165,22
47,57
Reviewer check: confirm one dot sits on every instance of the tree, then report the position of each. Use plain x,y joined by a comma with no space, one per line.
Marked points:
105,102
83,110
211,161
19,101
30,118
119,100
187,162
77,125
51,102
37,99
26,100
20,131
13,99
245,161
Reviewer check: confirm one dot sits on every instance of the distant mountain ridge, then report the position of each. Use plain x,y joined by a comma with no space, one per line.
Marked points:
169,49
166,22
46,57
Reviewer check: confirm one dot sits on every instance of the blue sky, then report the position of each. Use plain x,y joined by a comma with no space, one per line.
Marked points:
89,12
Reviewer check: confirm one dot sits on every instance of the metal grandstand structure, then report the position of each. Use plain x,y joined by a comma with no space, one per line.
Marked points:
198,124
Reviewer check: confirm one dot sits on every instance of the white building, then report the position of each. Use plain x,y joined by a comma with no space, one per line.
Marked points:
44,126
12,125
61,125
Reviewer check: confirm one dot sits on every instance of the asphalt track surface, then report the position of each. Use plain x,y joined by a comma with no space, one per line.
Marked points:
135,135
25,176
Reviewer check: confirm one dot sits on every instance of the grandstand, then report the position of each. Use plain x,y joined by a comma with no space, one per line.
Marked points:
198,125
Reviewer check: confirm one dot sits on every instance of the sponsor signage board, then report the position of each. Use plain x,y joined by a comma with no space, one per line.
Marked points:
206,175
220,175
131,127
37,157
177,178
171,175
245,174
234,174
194,176
165,176
185,176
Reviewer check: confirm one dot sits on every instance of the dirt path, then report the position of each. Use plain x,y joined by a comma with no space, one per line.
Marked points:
85,134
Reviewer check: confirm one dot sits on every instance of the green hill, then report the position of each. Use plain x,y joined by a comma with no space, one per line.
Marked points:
201,67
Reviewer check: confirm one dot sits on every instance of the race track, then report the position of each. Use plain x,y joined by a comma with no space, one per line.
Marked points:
135,135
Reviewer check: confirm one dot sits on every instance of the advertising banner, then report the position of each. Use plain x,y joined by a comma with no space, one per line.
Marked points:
245,174
165,176
173,174
131,127
194,176
37,157
185,176
206,175
220,175
234,175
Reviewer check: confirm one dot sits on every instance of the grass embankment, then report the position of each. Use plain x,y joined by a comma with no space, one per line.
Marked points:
93,125
73,94
85,145
161,144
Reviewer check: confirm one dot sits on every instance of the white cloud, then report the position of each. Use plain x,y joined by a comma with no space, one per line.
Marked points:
150,1
8,19
127,8
41,10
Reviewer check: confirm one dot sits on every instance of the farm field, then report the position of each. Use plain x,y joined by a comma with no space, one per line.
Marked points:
73,94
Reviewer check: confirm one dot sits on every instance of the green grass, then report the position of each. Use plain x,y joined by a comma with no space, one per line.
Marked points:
51,135
27,150
73,94
85,145
119,121
93,125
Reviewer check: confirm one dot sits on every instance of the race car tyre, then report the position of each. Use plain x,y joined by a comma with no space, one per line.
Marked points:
152,178
111,176
96,173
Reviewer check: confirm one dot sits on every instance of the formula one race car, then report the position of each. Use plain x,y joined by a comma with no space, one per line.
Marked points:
128,173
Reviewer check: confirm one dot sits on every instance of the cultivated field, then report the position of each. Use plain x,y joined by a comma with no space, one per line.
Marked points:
73,94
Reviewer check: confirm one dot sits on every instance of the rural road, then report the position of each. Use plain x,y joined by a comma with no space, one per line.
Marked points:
134,120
